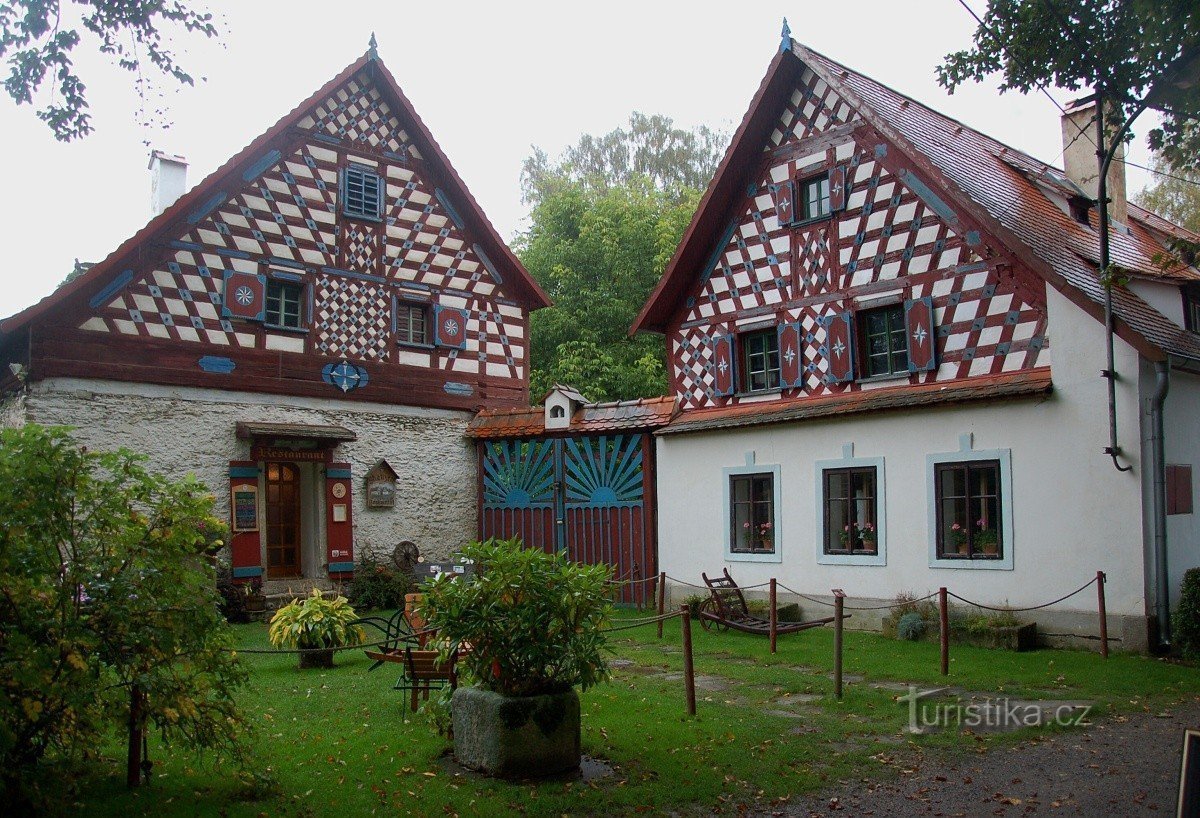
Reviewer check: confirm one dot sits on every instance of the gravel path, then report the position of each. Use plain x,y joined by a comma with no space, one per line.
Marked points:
1122,766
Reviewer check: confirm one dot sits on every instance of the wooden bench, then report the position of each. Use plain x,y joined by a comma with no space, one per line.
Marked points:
421,671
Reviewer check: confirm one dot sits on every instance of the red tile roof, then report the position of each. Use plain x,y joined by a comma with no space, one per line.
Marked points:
988,181
1029,383
644,414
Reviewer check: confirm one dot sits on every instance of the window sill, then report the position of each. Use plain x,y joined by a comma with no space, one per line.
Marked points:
289,330
864,558
360,217
415,345
759,393
891,376
754,556
989,563
811,222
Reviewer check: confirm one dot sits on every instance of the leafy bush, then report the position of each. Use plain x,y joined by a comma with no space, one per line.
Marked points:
983,622
377,586
907,603
693,602
233,597
105,587
1187,616
315,622
911,626
533,619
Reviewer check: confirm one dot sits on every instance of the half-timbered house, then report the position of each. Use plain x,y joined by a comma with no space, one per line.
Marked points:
885,332
320,316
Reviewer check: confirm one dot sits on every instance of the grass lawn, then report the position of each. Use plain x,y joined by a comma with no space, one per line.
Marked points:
342,742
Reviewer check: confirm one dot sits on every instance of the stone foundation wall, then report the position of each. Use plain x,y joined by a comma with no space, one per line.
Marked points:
185,431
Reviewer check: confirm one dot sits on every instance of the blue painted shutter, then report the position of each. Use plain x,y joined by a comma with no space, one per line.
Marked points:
791,355
922,341
449,327
724,368
839,348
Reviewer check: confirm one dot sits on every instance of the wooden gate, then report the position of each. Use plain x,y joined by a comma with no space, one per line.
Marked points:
591,496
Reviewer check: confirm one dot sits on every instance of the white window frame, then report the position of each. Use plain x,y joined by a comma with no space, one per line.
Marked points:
849,461
1007,534
776,511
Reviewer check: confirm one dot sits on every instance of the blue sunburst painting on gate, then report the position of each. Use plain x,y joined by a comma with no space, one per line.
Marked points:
519,474
603,472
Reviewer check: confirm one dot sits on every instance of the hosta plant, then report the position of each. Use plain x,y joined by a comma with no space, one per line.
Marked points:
316,623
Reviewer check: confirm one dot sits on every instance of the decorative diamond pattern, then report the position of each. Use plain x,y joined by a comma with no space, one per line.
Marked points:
356,113
353,318
886,234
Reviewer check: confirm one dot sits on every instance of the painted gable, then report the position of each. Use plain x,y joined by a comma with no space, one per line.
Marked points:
281,219
889,239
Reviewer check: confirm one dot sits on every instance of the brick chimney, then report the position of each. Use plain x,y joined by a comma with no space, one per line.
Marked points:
168,180
1081,164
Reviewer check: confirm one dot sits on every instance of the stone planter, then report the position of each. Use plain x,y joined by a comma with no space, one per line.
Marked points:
316,658
516,736
1016,637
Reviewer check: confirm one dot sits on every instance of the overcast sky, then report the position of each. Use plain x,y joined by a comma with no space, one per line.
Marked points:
489,79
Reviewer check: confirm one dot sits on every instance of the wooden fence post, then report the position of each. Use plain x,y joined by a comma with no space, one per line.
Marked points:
1100,580
662,599
774,615
944,630
839,598
689,670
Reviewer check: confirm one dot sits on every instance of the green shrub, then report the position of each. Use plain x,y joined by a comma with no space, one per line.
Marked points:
907,603
911,626
377,586
233,597
106,586
315,622
1187,616
693,602
533,619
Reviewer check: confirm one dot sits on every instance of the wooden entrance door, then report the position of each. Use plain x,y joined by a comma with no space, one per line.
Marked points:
283,520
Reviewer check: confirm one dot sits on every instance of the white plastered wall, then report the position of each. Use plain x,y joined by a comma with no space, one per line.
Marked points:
1073,513
192,430
1181,427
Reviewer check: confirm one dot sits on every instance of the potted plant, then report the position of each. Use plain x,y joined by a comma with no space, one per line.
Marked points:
533,623
958,538
317,625
986,540
255,602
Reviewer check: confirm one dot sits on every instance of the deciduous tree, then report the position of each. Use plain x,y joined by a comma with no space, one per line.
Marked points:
1136,53
104,590
37,38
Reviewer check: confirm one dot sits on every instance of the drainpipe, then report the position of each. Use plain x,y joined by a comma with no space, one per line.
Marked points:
1162,603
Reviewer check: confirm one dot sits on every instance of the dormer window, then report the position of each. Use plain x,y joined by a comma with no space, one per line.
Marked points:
362,192
814,198
1191,306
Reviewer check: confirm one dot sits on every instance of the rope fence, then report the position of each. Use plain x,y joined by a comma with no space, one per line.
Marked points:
840,607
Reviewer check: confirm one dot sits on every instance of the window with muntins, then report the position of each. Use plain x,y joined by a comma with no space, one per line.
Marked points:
814,198
362,192
283,304
884,341
760,360
411,325
752,513
1191,307
968,510
851,511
